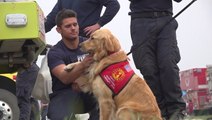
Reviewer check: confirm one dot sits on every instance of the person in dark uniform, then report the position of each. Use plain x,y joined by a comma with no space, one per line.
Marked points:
67,99
25,81
156,53
88,14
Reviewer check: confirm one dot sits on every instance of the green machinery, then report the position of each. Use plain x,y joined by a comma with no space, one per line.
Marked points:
22,34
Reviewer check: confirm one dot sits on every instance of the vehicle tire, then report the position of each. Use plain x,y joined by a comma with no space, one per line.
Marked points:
8,106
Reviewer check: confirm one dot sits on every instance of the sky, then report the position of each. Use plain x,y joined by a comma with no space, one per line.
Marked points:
194,33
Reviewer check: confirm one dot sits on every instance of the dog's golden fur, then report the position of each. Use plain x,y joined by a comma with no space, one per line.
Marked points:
82,81
136,101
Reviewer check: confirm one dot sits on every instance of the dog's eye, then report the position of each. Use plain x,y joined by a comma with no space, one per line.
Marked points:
92,38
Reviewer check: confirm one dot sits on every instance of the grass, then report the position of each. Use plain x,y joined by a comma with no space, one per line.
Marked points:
205,117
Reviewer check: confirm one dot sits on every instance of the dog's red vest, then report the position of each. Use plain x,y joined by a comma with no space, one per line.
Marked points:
117,75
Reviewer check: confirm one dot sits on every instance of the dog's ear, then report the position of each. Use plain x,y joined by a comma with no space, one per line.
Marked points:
99,55
107,43
111,43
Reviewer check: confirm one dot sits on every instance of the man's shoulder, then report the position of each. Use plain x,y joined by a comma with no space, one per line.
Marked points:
56,49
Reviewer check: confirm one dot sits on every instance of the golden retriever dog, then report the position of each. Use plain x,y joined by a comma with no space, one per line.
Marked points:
82,81
121,94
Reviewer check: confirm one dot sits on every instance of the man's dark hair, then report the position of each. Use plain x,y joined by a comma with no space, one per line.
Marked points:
64,13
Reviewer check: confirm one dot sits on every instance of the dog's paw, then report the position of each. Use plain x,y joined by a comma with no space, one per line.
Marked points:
85,88
69,67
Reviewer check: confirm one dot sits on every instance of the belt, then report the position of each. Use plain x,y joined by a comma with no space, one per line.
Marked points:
149,14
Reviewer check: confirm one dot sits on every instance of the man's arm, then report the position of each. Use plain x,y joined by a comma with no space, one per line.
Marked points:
112,8
50,19
70,77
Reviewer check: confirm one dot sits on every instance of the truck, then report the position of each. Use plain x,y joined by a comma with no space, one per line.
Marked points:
8,101
22,39
209,81
195,84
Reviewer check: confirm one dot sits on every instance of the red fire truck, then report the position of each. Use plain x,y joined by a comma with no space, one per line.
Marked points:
194,84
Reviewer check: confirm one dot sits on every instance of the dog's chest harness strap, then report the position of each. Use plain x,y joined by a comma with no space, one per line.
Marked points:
116,76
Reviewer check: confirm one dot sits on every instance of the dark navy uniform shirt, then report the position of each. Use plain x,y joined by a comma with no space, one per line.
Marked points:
60,54
137,6
88,12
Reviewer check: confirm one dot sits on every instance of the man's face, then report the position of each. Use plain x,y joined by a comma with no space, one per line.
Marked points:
69,28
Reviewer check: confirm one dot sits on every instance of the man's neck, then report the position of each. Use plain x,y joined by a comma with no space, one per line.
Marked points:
72,44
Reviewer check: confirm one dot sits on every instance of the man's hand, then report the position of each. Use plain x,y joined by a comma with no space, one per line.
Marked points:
90,29
87,61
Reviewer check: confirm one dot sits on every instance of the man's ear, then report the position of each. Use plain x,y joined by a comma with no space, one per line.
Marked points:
58,29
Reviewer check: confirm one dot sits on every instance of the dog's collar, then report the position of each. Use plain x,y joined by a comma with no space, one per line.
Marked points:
110,53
